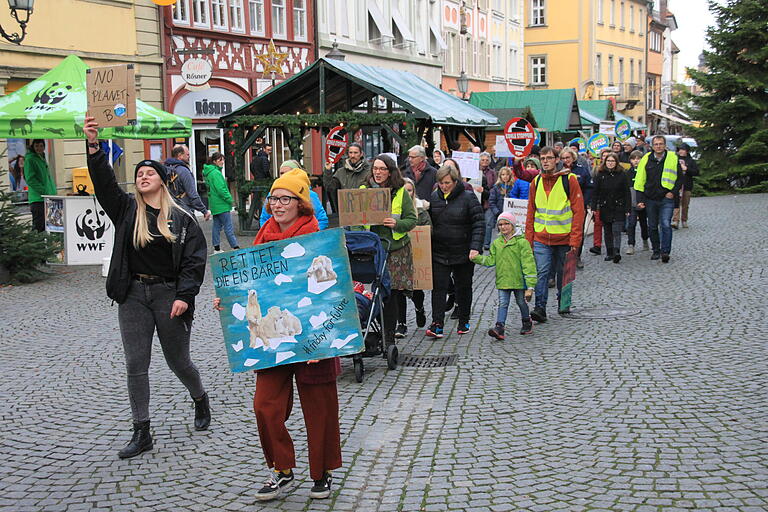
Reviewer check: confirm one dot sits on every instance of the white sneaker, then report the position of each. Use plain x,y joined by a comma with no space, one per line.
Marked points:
219,251
631,249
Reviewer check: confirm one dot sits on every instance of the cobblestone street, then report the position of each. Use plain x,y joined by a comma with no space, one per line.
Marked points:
663,410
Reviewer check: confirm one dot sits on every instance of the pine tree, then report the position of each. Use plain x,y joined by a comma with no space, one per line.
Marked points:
733,105
22,249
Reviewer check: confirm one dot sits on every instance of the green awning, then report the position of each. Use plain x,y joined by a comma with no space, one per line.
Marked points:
53,107
348,85
556,110
595,111
505,114
633,125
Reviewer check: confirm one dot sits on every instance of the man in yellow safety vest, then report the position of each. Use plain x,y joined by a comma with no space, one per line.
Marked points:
554,225
657,183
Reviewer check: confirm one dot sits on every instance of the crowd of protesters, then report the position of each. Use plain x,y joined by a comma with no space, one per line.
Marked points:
158,260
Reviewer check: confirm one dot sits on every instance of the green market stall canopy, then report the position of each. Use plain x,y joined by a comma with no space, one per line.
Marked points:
556,110
53,107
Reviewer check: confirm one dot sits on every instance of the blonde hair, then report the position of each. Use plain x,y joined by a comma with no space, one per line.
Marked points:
141,234
511,175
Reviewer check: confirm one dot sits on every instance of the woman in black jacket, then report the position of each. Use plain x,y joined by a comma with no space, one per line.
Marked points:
157,266
458,228
612,199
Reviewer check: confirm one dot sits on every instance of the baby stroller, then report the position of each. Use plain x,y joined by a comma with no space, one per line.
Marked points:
368,261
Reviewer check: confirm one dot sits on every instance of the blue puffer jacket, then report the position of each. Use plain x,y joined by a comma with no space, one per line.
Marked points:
496,199
520,190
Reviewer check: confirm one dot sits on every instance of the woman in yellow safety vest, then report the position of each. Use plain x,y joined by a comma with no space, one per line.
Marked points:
394,231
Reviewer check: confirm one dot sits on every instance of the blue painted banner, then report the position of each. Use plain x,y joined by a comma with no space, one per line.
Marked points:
581,142
537,140
598,142
622,129
287,301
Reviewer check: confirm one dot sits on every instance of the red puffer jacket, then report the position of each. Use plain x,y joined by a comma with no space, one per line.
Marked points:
325,370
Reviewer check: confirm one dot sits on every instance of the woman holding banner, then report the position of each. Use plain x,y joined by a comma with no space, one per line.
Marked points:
422,209
157,266
394,232
290,207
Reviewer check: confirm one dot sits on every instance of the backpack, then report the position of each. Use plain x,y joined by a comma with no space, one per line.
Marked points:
174,182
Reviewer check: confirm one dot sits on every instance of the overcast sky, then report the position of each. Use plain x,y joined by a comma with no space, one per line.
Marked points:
693,18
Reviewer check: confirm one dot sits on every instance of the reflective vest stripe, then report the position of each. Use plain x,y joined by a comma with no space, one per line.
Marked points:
397,210
553,213
668,172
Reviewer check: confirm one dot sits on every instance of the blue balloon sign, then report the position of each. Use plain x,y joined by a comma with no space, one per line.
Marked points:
581,142
622,129
597,143
537,140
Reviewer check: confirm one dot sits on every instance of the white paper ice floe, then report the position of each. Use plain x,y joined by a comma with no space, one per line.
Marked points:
282,278
306,301
237,347
282,356
317,320
294,250
250,362
318,288
238,311
339,343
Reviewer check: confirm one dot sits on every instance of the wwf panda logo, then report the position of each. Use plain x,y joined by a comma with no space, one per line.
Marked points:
91,224
49,96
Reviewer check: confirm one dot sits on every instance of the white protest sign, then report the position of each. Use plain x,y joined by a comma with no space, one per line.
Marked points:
502,149
469,164
518,207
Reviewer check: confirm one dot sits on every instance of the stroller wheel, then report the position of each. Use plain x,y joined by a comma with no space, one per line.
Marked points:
392,357
359,369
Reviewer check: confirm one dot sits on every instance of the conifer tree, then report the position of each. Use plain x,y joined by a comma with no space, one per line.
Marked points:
733,104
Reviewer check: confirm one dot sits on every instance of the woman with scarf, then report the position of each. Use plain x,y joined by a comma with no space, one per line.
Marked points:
290,205
438,157
385,174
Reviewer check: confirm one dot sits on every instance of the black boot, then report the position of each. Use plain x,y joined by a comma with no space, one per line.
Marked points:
140,442
608,255
202,412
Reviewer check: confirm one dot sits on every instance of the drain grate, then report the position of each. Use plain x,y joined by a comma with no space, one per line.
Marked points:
415,361
606,313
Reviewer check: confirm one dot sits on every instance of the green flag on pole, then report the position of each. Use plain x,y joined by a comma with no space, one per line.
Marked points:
54,106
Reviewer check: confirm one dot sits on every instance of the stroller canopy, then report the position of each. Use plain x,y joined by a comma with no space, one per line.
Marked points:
368,258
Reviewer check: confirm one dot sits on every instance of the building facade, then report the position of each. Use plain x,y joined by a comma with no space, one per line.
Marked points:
219,54
484,40
594,46
398,34
55,31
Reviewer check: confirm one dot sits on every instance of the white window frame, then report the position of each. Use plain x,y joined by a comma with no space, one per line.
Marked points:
632,18
513,64
276,7
600,19
612,13
300,19
538,66
632,71
641,20
538,13
253,17
621,71
201,9
475,59
236,13
344,20
621,16
219,9
331,10
463,50
640,78
178,7
610,70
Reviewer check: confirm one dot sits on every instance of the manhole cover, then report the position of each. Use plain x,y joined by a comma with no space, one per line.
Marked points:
606,313
427,361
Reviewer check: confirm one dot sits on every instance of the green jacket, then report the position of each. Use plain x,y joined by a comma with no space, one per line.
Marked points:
515,266
219,198
38,178
404,224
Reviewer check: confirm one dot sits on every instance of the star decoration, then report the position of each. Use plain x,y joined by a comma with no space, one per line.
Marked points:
272,60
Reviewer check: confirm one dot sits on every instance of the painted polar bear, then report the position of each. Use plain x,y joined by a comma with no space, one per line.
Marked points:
277,323
321,269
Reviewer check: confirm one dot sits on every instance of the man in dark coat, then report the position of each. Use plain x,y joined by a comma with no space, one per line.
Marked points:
419,170
689,169
260,166
182,183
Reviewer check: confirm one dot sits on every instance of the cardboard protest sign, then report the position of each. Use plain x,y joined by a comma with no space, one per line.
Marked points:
287,301
364,206
111,94
569,275
622,129
520,136
502,150
469,164
335,144
421,248
581,142
519,207
606,127
597,143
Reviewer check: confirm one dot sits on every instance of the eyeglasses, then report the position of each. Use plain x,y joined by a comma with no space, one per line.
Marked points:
283,200
548,158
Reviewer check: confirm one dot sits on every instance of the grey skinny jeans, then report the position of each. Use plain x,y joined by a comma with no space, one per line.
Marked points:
148,306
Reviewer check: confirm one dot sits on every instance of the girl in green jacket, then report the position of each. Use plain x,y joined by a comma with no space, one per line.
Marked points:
512,256
219,202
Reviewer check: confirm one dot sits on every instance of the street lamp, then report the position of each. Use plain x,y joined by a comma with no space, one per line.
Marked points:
15,6
463,84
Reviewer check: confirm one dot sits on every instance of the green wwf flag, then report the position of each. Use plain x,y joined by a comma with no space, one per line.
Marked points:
54,105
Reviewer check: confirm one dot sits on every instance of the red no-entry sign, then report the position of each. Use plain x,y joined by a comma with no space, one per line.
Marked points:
335,144
519,135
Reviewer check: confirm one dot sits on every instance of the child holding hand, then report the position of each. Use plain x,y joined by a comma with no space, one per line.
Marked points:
512,256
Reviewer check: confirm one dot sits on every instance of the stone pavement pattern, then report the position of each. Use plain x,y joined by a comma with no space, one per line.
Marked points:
664,410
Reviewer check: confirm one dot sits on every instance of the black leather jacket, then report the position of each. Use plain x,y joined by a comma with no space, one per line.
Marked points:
189,250
458,225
